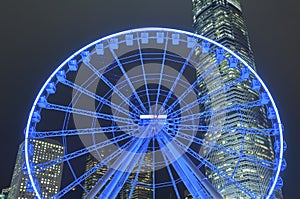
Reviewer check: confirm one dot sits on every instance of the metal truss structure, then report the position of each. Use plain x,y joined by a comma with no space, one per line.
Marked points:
137,101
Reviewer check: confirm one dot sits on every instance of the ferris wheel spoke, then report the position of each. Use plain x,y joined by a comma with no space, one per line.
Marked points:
222,110
112,87
206,97
128,80
194,180
179,170
121,176
238,154
170,172
75,132
161,75
126,154
180,98
77,181
224,129
212,166
134,182
84,176
143,70
186,107
96,97
87,113
42,166
219,171
177,78
153,168
123,165
190,88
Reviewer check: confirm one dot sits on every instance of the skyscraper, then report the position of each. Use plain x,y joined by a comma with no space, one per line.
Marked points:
92,179
4,193
50,179
222,21
139,192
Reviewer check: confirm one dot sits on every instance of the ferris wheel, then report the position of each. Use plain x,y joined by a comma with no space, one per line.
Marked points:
162,112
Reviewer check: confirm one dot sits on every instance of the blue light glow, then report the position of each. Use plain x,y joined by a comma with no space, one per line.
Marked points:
60,74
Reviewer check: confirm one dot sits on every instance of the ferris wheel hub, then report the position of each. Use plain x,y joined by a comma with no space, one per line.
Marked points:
153,116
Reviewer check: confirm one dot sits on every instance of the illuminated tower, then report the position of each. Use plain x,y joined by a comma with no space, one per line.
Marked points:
4,193
50,178
222,21
91,180
140,192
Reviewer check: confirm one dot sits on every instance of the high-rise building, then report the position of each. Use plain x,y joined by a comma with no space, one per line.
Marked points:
92,179
4,193
222,21
140,192
50,178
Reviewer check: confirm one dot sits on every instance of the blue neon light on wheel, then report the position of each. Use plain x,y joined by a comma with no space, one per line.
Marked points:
174,107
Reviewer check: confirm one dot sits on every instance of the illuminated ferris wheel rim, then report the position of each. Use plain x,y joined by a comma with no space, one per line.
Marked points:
153,29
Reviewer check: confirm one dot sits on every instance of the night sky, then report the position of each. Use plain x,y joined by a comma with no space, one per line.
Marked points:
36,36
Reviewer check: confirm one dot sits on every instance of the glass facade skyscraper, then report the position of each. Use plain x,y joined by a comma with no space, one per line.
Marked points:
4,193
92,179
222,21
50,178
140,192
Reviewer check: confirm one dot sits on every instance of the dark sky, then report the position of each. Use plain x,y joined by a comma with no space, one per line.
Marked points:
36,36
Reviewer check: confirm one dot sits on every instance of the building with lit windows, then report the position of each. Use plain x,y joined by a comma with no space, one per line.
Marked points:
222,21
140,192
50,179
4,193
92,179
